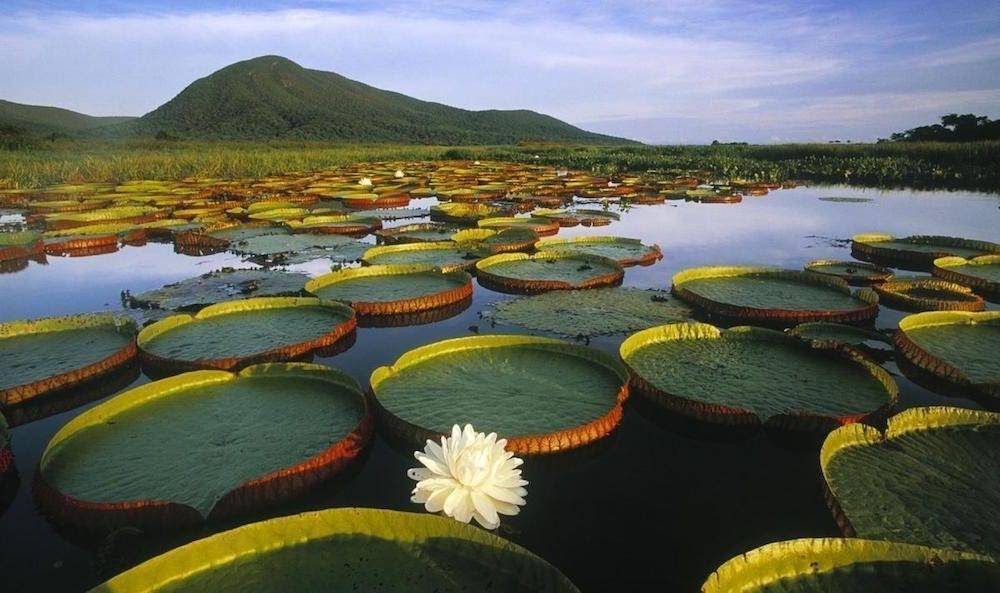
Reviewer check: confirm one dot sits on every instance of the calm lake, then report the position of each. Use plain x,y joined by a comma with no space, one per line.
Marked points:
652,508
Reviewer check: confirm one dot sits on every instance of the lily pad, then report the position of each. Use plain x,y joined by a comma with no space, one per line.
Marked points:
852,272
541,226
559,270
206,444
832,565
981,274
933,478
292,249
220,285
918,251
928,294
20,245
119,215
542,395
956,350
370,201
374,549
592,312
235,334
412,233
627,252
342,224
39,356
772,296
751,376
868,340
393,289
498,241
463,212
446,255
394,213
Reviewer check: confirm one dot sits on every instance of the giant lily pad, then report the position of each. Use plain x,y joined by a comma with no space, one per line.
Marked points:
627,252
933,478
369,201
235,334
393,289
446,255
374,549
751,376
541,226
771,296
869,341
119,214
393,213
832,565
463,212
20,244
559,270
39,356
220,285
981,274
291,249
918,251
205,444
498,241
928,294
542,395
592,312
852,272
952,351
413,233
343,224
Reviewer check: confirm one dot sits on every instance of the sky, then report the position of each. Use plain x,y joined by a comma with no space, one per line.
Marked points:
684,71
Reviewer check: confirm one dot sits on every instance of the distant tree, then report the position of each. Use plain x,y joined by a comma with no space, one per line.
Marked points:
953,128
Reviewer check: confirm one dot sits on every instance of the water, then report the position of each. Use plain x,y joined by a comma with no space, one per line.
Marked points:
652,508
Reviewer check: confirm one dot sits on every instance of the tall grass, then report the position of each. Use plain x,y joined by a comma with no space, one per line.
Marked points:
928,165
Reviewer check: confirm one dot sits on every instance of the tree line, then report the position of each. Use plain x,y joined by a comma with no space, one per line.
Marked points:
953,128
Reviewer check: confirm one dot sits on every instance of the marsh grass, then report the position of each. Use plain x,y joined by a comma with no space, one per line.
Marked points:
973,165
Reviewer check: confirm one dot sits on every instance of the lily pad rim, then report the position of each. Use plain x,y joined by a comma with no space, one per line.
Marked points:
167,387
787,559
532,444
289,531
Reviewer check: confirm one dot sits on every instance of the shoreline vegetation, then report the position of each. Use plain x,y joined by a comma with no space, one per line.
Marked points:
922,165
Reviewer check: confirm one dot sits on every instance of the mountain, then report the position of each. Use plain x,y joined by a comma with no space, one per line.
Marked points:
38,119
273,97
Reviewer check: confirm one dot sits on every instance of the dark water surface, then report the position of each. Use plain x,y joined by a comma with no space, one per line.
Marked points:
655,507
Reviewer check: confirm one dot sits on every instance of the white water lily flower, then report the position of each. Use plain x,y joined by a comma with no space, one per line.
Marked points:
476,163
469,476
366,181
398,174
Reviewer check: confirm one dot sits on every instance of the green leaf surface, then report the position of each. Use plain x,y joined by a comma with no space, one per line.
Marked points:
763,371
511,385
221,285
592,312
932,479
194,437
853,565
346,550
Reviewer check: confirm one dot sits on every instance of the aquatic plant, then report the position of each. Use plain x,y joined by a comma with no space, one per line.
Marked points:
469,475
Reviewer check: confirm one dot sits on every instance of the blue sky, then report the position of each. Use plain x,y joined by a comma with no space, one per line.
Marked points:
681,71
